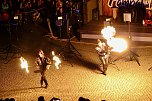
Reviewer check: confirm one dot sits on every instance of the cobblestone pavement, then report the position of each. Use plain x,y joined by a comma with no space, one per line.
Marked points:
126,82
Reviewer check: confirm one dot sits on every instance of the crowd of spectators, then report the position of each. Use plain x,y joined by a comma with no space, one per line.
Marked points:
8,99
38,10
9,8
41,98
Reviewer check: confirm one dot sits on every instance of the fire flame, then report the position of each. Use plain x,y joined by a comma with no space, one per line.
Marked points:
108,32
117,44
24,64
56,60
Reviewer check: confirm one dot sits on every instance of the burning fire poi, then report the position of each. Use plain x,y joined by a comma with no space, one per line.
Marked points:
24,64
56,60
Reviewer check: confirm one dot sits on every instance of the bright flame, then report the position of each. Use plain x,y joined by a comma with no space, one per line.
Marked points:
24,64
117,44
57,60
108,32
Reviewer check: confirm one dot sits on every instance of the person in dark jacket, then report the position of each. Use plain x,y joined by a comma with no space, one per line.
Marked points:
43,62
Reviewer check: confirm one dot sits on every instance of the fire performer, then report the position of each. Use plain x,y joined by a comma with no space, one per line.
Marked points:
43,62
103,51
108,45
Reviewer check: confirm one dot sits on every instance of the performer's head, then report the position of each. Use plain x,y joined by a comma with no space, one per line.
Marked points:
41,53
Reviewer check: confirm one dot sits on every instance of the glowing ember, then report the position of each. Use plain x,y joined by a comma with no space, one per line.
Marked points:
56,60
24,64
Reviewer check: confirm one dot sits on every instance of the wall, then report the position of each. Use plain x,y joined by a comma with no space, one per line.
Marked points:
106,10
91,4
100,7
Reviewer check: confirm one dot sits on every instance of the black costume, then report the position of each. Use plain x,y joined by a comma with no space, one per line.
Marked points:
43,62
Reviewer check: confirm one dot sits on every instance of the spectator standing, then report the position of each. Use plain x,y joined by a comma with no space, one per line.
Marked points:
59,5
23,5
41,98
10,3
40,4
34,5
16,5
50,17
5,10
5,5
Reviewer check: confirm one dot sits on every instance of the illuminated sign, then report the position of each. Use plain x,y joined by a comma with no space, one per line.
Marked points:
116,3
113,3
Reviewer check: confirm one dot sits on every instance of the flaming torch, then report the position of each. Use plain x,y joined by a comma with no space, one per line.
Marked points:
56,60
24,64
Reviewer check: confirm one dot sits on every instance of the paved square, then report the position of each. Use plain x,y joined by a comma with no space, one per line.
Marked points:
131,83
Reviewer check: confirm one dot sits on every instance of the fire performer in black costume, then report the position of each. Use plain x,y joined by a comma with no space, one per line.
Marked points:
43,62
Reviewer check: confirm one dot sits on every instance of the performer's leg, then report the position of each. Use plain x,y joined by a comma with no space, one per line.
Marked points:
105,69
42,78
45,81
105,65
41,81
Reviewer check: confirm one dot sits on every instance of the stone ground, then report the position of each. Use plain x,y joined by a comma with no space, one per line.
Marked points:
125,81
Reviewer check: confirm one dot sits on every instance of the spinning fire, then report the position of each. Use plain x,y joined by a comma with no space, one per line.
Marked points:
24,64
56,61
115,44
